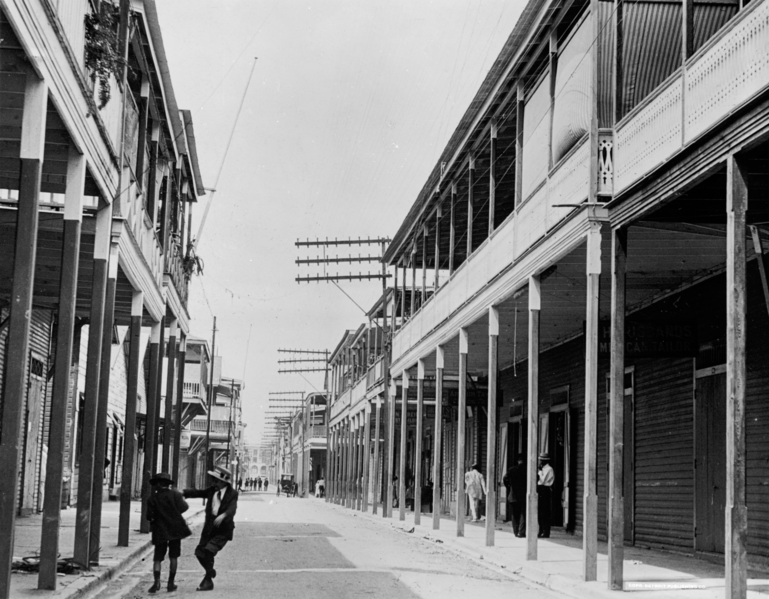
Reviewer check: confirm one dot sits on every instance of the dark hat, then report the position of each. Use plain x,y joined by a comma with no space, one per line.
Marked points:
222,474
544,456
162,477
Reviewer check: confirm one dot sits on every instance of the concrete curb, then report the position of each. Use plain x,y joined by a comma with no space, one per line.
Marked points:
89,584
525,572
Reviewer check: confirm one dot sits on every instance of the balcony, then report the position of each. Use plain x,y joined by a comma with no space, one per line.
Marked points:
219,428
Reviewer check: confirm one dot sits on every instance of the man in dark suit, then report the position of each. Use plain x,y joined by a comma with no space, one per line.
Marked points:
221,505
164,513
515,481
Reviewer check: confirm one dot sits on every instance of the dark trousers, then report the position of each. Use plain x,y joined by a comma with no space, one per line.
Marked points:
519,518
543,510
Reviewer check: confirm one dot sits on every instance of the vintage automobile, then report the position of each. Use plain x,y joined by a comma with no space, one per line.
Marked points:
286,485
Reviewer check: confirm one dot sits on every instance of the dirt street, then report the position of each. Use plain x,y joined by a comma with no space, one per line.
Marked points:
288,547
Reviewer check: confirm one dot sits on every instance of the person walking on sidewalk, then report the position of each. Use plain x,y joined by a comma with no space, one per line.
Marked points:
221,504
475,487
544,487
164,513
515,481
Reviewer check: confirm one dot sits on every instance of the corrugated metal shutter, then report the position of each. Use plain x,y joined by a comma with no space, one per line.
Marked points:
664,454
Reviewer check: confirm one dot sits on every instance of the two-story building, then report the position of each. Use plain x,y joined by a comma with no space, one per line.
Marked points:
98,169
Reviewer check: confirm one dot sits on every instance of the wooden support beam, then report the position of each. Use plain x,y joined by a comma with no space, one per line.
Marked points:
418,443
390,437
349,503
180,359
403,293
132,399
735,547
73,217
491,427
437,276
532,449
366,455
460,465
150,436
402,452
470,199
519,109
413,279
616,532
424,265
440,359
452,228
88,466
377,433
169,405
492,176
590,502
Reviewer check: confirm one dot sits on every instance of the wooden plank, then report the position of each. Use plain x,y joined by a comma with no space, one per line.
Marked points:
470,182
452,227
418,443
366,456
460,465
491,427
402,452
736,373
617,412
532,444
377,482
439,365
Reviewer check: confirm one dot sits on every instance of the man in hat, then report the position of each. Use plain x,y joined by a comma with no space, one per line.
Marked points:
515,481
544,486
475,487
221,505
164,513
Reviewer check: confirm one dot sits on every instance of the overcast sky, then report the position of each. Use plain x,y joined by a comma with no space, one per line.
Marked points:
350,104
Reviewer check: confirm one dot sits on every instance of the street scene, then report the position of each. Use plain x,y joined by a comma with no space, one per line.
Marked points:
391,298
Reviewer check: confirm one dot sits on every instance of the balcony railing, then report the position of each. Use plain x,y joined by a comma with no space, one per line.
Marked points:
317,431
217,426
192,390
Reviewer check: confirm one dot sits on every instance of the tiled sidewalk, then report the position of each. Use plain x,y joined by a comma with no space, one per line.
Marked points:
648,573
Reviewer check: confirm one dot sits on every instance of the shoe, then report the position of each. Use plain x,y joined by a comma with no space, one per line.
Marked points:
171,587
206,584
155,587
213,573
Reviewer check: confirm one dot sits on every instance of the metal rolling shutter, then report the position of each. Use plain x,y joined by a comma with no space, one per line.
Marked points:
664,454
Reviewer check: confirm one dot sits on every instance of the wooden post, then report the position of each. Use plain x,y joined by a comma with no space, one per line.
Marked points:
169,405
413,279
22,290
492,183
532,449
437,276
102,413
366,455
491,427
463,348
88,466
590,503
424,265
452,228
440,358
377,432
403,294
418,443
402,456
343,463
180,359
358,462
470,183
132,391
519,109
735,547
73,217
388,475
350,503
150,435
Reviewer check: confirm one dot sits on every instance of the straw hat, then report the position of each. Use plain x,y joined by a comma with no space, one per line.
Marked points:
222,474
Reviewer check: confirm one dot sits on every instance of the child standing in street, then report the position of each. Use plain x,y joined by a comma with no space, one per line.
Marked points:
164,513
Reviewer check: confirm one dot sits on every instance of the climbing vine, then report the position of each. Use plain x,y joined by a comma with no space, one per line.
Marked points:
102,56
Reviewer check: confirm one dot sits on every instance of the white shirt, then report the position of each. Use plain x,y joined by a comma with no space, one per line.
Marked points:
546,476
217,502
475,486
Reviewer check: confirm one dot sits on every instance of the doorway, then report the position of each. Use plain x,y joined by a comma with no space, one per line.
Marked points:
710,459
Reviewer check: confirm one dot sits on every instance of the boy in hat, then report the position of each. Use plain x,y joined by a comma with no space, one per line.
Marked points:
545,479
164,513
221,505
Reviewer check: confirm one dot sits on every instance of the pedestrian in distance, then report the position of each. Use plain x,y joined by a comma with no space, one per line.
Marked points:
259,485
475,487
164,513
515,481
266,482
545,479
322,487
221,501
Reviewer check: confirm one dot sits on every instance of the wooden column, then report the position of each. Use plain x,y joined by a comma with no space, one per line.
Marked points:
388,475
366,455
470,183
342,462
402,452
377,432
331,473
102,413
424,265
169,405
439,364
437,277
73,217
461,414
361,463
519,109
134,369
616,531
396,300
492,182
532,445
590,502
418,443
22,289
350,464
88,462
180,359
403,293
491,427
735,547
413,279
452,228
150,438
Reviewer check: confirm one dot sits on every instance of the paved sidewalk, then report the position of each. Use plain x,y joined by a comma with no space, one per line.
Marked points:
113,559
648,574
